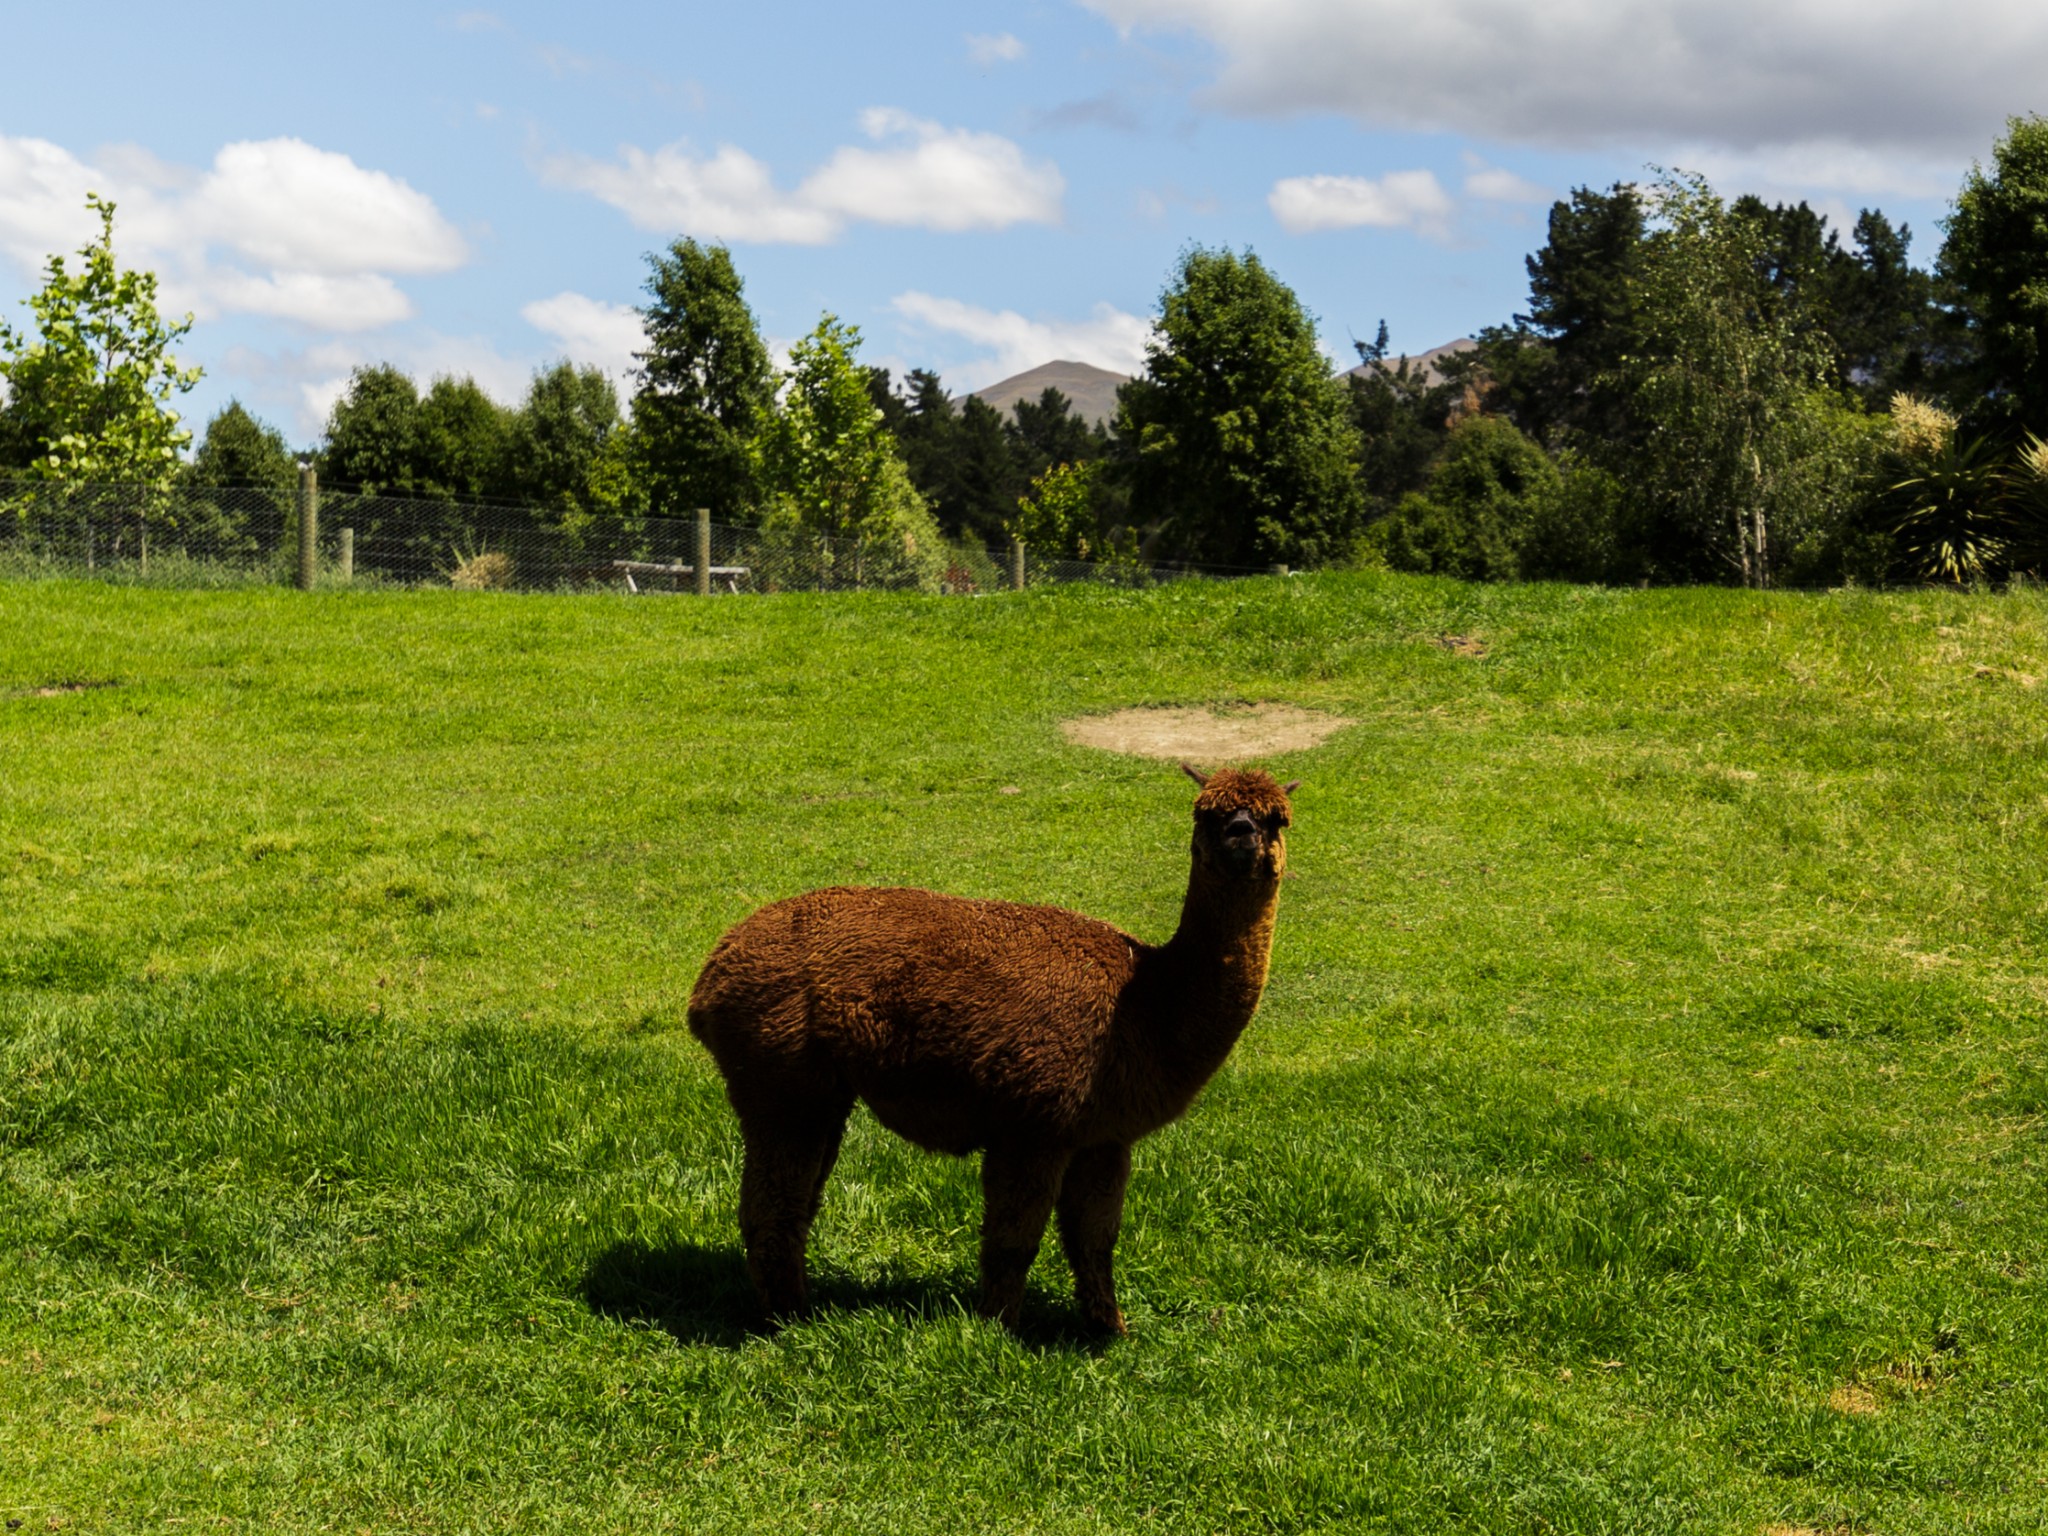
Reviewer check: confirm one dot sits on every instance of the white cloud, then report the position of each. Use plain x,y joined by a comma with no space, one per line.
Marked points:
936,178
924,175
1011,342
274,227
996,48
360,301
1492,184
290,207
1853,169
1741,75
726,196
1398,200
590,331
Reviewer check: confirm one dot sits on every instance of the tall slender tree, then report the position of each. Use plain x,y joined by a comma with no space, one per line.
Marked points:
706,386
1996,254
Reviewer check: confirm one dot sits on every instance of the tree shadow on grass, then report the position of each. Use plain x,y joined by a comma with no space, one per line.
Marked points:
701,1295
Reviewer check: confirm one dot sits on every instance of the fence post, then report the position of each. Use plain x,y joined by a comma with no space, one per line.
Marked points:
703,551
1016,565
309,526
1276,570
348,555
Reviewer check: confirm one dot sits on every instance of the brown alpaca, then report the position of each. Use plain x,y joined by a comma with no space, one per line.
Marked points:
1047,1040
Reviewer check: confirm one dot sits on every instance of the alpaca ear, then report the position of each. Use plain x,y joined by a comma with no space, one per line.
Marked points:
1288,789
1196,774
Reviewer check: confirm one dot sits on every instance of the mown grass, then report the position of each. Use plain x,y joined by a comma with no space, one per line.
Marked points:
1643,1129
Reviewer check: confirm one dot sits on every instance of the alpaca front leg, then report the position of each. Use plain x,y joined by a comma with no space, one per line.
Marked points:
1091,1207
1017,1191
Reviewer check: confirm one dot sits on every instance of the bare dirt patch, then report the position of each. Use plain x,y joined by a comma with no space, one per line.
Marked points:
1462,645
74,685
1225,733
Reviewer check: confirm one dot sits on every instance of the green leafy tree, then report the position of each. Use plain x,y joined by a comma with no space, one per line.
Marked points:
252,473
560,433
826,460
373,433
706,386
1242,449
240,450
1487,494
1056,517
461,444
1729,395
1996,255
89,391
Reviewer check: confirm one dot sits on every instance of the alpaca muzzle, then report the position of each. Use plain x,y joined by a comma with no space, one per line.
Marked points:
1242,842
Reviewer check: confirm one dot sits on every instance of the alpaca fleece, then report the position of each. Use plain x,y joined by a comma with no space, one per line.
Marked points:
1046,1040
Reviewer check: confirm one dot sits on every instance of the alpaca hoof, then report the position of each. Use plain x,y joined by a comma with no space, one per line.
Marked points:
1110,1322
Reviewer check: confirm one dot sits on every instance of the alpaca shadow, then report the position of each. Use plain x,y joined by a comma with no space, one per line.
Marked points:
700,1295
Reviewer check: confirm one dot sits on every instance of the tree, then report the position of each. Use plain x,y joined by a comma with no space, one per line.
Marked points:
373,433
1244,453
706,386
928,433
461,442
826,460
1056,517
253,472
559,437
1728,390
1401,415
1552,367
1487,494
1048,431
1996,254
239,450
986,468
89,394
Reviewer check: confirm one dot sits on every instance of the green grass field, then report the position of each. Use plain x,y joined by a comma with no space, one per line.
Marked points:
1643,1129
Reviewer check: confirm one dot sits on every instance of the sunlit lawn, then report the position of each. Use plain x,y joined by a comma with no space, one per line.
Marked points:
1642,1131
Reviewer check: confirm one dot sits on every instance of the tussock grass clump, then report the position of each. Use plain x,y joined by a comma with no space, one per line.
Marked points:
489,570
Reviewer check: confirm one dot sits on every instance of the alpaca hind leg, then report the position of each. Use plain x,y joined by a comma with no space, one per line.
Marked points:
1018,1187
780,1187
1091,1208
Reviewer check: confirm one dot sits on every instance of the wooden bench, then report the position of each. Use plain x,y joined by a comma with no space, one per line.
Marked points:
731,575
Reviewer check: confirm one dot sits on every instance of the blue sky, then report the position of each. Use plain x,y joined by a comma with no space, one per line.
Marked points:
980,186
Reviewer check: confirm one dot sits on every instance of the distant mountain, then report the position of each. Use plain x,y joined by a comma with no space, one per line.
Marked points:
1427,361
1091,390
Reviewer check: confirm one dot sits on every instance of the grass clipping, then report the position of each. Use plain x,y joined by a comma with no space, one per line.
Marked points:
1227,733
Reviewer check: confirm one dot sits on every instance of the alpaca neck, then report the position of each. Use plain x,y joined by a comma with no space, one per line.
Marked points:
1215,969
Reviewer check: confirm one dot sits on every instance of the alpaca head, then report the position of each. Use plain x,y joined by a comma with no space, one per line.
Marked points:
1241,819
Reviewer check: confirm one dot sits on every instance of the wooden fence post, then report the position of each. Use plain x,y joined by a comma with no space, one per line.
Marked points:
309,526
348,555
703,551
1016,565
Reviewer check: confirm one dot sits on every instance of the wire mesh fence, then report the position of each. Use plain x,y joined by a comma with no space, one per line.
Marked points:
191,535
